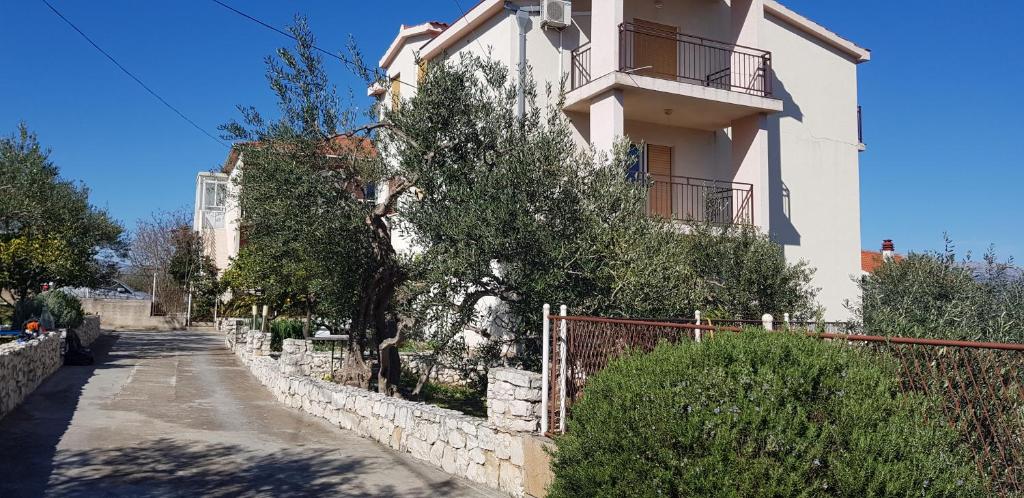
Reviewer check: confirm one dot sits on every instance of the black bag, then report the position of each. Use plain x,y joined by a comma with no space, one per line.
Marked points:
77,355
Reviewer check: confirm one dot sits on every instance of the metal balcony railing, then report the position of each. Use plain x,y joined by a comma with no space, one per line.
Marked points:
699,200
649,51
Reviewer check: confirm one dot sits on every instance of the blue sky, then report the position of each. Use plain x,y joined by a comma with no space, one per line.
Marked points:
941,98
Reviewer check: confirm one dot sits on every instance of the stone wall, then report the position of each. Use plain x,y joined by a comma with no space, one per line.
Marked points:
24,365
89,330
414,364
299,358
513,399
479,450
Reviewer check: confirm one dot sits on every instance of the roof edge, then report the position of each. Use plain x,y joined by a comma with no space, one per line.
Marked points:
406,32
469,21
859,54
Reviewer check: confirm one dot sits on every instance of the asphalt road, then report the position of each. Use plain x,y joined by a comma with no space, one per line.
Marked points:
175,414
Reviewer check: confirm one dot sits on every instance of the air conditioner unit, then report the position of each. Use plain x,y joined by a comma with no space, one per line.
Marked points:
556,13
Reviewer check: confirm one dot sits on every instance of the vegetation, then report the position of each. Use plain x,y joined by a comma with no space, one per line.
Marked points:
282,329
65,309
49,233
507,211
758,414
936,295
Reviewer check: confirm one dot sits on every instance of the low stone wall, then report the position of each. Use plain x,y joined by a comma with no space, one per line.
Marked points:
413,363
89,330
513,399
298,358
24,365
485,451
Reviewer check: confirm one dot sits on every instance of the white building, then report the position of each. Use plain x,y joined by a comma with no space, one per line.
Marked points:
216,213
748,110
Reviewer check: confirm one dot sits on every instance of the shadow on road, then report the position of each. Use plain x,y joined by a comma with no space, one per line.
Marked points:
29,435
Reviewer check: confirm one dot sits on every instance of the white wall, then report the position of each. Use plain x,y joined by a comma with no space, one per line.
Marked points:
813,161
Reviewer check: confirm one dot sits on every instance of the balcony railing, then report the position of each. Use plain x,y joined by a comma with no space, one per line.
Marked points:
649,51
700,200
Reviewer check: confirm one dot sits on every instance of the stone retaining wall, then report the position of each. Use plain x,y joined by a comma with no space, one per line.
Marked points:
24,365
298,358
485,451
513,399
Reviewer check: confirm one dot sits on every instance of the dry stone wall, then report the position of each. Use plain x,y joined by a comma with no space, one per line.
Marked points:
24,365
513,399
488,451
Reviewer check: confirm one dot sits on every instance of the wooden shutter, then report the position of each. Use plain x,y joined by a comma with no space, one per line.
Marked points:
396,92
655,45
421,71
659,167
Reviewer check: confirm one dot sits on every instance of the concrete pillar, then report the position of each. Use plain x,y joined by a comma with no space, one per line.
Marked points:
607,123
750,162
605,17
747,16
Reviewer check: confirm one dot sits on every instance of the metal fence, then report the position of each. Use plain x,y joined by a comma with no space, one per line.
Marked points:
697,199
980,385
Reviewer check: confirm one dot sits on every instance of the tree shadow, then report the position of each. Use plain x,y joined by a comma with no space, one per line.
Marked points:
30,433
167,466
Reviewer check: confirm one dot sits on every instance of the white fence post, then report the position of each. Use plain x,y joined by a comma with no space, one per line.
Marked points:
767,321
785,320
696,332
562,353
545,368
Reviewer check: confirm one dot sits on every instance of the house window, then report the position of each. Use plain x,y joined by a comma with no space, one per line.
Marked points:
396,91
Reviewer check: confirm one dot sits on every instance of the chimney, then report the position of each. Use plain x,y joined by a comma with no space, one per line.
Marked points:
888,249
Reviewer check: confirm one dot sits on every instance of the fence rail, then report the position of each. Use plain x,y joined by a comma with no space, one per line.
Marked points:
980,384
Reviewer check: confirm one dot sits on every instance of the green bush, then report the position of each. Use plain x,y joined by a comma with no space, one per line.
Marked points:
757,414
65,308
284,328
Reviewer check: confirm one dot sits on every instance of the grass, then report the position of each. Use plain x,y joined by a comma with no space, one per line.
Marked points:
472,402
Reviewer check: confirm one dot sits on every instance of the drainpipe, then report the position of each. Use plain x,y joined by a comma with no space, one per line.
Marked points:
523,20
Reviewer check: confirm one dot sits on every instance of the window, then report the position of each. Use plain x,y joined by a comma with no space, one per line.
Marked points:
396,91
636,163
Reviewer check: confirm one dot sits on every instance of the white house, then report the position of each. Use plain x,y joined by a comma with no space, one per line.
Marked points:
747,110
216,214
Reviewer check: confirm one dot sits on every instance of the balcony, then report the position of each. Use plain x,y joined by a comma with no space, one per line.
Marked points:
698,200
705,83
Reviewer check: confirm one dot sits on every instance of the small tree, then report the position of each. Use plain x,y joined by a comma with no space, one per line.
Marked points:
48,230
936,295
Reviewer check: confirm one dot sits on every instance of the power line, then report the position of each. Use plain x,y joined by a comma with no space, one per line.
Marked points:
345,60
132,76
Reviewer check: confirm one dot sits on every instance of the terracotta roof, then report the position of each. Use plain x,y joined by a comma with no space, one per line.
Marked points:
872,260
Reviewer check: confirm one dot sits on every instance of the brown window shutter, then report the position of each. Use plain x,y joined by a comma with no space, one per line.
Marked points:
655,45
396,92
659,167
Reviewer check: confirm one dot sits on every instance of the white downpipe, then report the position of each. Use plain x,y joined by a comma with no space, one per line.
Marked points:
523,20
562,346
545,368
696,332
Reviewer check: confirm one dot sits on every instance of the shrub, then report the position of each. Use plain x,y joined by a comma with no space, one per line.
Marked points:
757,414
284,328
65,308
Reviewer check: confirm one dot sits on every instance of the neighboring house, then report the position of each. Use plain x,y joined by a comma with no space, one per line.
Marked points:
747,110
872,260
217,214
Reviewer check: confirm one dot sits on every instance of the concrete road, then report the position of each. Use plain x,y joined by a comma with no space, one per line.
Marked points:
175,414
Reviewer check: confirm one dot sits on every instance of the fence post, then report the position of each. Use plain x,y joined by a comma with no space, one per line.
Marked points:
785,320
767,321
696,332
562,353
545,368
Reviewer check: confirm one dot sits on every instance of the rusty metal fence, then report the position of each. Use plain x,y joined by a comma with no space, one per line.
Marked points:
980,385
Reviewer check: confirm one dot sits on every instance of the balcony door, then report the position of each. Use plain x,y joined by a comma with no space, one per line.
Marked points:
659,168
655,49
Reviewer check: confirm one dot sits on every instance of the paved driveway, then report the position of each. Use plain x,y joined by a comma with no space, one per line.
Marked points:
175,414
